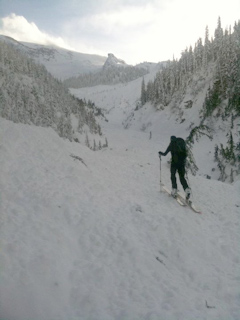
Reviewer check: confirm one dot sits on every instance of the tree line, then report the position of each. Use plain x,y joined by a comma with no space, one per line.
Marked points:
223,51
110,75
218,57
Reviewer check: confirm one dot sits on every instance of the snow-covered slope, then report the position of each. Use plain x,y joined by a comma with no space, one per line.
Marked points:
121,104
88,235
117,101
60,62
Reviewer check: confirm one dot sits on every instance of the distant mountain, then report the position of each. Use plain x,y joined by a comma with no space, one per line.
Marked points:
112,61
81,69
113,71
61,63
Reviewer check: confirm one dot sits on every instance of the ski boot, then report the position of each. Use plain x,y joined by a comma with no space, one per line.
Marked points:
174,193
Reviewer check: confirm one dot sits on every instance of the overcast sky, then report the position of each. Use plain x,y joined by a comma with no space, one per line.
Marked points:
133,30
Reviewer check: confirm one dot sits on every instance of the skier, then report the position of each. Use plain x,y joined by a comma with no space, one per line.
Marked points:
178,151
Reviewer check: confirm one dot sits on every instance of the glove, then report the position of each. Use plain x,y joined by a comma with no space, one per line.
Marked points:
160,154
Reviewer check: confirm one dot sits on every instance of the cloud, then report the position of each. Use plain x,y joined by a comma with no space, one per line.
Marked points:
127,17
20,29
115,21
134,30
118,29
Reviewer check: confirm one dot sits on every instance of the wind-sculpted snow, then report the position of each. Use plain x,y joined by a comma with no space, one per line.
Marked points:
95,239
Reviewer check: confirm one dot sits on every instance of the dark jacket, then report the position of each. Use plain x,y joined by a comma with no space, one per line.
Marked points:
177,159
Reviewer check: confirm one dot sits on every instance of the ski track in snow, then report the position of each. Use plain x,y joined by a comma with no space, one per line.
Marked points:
101,242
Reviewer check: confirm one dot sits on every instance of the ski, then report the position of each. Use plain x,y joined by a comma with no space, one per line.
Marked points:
165,189
189,203
182,200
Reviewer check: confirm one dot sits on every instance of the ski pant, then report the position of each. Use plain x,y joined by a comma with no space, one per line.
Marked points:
180,168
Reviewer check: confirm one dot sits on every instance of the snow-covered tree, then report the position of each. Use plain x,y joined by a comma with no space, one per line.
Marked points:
30,94
143,93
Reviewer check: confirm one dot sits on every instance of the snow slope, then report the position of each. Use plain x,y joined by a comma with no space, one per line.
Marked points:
121,104
93,238
64,63
117,101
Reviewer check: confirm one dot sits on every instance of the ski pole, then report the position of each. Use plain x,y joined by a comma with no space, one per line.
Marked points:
160,171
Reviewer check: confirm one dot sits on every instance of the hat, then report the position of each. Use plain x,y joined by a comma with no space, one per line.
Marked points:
173,138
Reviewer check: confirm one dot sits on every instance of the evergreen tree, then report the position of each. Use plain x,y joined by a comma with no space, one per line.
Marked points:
143,93
30,94
198,54
106,143
94,145
87,142
207,53
216,153
212,99
218,40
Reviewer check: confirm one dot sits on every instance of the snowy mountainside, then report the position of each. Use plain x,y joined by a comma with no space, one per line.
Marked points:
113,72
122,106
88,235
61,63
117,101
64,64
94,239
30,94
218,60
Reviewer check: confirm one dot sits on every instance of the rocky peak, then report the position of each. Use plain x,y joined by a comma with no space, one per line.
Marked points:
112,61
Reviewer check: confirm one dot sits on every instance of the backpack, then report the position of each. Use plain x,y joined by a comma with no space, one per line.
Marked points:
179,148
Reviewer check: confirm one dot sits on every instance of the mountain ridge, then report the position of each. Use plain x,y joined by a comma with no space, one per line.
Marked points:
62,63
